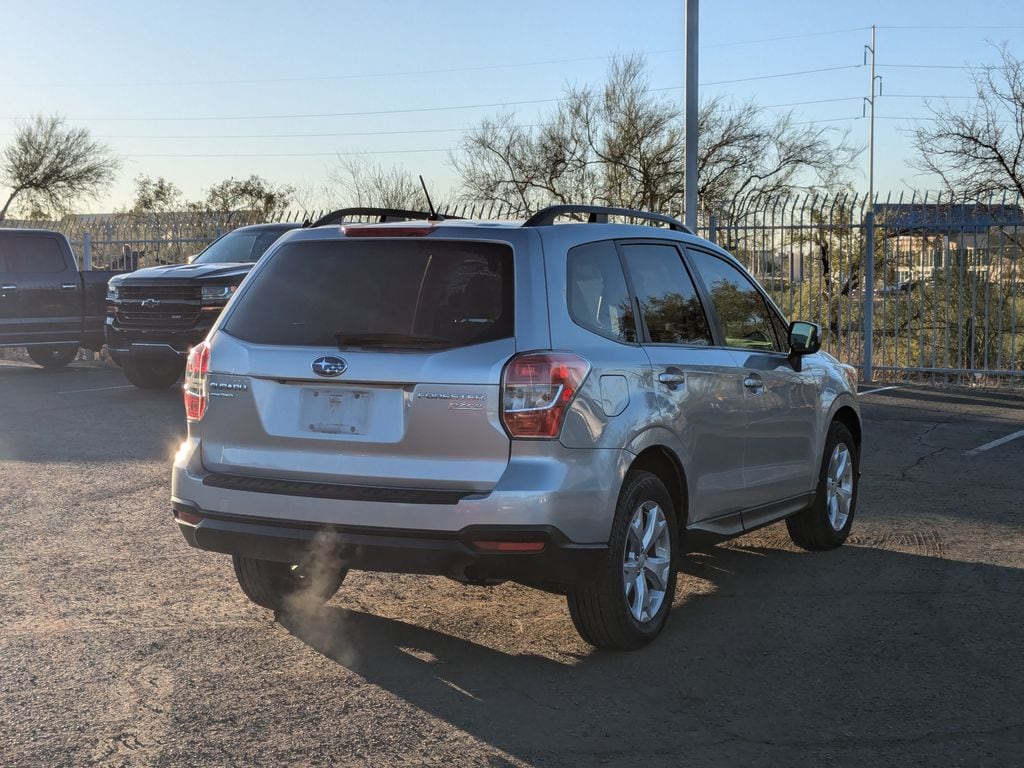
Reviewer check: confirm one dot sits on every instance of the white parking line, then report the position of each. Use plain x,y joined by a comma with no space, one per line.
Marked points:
95,389
994,443
880,389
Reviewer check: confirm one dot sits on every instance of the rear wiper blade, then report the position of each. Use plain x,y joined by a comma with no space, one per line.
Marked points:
400,340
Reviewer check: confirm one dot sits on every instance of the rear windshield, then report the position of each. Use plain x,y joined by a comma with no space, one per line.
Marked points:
411,294
240,246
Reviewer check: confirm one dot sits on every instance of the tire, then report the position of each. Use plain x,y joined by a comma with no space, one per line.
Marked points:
52,357
152,374
280,586
604,611
827,522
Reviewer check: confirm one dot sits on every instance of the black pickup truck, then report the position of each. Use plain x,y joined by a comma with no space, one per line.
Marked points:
46,304
156,314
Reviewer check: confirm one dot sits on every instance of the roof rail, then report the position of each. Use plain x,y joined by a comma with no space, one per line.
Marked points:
599,215
383,214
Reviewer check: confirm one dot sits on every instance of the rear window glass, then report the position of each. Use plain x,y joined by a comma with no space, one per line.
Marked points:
419,294
240,246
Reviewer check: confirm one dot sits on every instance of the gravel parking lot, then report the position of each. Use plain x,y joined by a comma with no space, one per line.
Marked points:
121,646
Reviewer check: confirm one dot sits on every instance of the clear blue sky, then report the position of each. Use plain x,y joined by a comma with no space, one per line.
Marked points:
130,70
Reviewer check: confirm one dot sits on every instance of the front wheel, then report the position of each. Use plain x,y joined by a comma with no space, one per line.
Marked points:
152,374
628,604
281,586
52,357
827,522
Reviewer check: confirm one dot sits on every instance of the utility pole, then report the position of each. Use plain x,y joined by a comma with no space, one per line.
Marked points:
691,107
868,372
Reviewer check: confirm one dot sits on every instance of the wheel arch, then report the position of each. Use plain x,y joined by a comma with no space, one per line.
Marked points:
662,462
848,417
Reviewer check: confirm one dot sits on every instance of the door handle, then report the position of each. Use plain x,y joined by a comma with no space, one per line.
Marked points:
754,383
8,287
68,286
672,378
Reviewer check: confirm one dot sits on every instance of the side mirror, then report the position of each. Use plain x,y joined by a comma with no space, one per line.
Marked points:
804,338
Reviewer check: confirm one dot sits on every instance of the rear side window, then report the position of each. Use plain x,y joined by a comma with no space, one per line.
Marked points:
742,310
596,291
408,294
31,255
671,308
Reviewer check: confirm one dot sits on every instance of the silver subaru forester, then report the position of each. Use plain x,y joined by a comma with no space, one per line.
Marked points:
556,404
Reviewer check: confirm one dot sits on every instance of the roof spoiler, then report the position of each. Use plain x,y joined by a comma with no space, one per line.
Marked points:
383,215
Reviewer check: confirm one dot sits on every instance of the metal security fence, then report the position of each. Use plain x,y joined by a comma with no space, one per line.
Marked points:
944,281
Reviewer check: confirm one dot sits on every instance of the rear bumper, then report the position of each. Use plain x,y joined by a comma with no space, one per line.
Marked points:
559,564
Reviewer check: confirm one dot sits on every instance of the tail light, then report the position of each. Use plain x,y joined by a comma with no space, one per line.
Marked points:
195,381
537,389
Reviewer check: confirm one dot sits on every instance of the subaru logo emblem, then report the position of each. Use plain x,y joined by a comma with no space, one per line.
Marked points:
329,366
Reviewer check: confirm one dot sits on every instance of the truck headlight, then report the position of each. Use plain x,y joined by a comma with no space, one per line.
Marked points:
218,292
113,292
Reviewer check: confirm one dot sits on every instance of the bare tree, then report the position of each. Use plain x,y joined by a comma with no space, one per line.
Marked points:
49,165
365,184
254,195
978,150
622,144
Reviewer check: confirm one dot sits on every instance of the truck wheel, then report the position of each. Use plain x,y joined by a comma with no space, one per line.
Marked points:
52,357
276,585
152,374
629,602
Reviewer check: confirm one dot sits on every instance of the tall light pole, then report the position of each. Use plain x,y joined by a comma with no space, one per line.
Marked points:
871,118
867,370
690,181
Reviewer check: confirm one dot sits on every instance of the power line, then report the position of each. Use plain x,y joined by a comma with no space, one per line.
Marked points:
951,26
412,73
926,66
416,110
307,115
784,74
787,37
297,154
324,78
924,96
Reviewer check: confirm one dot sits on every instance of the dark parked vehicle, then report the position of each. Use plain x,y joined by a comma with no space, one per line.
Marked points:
156,314
46,304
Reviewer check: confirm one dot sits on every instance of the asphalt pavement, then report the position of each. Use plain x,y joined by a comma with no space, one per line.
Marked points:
120,646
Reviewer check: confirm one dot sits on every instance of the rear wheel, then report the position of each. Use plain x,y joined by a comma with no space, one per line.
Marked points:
152,374
827,522
279,586
52,357
629,603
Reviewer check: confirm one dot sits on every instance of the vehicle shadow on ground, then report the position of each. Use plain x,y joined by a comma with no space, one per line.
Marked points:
774,656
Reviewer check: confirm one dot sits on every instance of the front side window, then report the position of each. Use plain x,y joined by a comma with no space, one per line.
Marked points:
596,292
400,294
671,308
745,317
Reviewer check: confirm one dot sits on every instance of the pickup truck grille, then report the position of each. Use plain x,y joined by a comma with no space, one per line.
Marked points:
162,292
170,317
159,306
